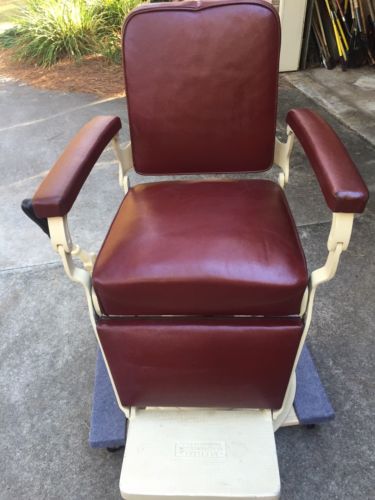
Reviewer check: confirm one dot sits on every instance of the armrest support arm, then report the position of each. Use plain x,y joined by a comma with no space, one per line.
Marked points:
342,186
59,189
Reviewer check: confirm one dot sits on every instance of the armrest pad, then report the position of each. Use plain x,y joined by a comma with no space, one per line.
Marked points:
59,189
339,179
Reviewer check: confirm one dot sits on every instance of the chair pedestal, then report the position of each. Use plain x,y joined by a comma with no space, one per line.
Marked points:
200,453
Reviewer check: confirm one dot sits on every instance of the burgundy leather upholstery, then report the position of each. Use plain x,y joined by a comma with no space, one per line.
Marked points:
206,247
339,179
201,81
58,191
238,362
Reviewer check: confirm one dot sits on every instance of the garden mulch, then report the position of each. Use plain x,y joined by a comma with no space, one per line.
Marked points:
90,75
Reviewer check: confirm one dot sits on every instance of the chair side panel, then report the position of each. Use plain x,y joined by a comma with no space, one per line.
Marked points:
218,362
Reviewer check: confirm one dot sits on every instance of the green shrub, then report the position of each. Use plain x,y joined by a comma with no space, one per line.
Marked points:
8,38
47,31
111,14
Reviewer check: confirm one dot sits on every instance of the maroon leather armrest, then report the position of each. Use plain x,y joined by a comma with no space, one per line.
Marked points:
59,189
339,179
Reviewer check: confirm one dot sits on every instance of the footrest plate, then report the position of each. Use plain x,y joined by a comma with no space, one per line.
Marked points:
200,453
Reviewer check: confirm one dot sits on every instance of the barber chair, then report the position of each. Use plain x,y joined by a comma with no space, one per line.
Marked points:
200,297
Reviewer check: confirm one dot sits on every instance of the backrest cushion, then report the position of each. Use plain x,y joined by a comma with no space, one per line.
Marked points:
201,81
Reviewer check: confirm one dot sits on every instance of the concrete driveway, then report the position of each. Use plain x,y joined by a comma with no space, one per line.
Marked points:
47,348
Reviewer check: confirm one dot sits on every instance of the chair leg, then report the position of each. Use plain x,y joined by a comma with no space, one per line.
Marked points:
338,242
281,415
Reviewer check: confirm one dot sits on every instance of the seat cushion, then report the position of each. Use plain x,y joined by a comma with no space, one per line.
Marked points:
202,248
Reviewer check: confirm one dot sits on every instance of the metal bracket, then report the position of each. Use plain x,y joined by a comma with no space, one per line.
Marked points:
282,154
125,160
87,258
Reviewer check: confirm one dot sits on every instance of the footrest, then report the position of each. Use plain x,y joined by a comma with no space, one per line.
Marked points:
200,453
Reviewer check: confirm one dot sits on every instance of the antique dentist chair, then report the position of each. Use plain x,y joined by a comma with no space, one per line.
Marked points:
200,297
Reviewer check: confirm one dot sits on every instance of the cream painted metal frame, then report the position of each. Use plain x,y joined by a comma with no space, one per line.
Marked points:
338,242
